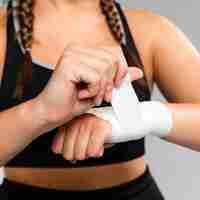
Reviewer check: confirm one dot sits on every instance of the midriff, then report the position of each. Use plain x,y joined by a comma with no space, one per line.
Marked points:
80,178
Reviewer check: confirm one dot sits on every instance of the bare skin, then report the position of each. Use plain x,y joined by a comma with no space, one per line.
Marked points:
173,63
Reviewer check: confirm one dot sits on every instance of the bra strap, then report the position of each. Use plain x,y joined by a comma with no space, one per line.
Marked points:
13,59
133,57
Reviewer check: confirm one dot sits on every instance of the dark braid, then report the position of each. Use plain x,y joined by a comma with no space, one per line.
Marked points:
24,13
113,19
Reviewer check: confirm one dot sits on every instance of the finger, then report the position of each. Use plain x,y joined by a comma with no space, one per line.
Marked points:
82,73
121,73
106,76
96,141
58,140
69,142
118,70
92,79
80,147
101,152
102,60
108,83
107,65
108,93
135,73
100,96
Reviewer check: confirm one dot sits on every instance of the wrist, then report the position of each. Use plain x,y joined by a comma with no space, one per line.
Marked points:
38,115
157,118
117,132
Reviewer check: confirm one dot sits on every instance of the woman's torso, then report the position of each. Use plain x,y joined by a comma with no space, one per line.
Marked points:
48,53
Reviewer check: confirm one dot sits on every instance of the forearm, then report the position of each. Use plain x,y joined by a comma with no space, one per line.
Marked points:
186,125
19,126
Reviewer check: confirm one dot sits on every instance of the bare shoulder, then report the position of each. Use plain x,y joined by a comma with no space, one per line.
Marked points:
147,28
145,19
3,20
171,51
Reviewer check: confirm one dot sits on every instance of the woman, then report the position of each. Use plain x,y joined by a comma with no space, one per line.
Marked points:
119,171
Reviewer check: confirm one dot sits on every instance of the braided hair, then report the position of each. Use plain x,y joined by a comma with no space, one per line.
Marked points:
23,11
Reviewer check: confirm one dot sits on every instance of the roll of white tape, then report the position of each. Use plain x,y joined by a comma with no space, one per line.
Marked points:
125,105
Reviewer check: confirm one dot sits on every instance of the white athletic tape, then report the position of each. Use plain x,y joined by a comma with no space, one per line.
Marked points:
131,119
125,105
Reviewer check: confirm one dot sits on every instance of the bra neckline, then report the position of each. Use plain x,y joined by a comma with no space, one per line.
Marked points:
42,65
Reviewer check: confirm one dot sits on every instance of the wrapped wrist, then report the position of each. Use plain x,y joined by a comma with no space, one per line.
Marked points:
157,118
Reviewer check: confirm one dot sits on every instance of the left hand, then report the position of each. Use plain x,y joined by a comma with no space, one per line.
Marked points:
82,137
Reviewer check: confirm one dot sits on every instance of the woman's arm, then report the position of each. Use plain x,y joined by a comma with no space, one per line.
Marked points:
176,70
19,126
175,67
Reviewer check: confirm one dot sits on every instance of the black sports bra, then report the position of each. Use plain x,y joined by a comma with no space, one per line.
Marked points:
38,153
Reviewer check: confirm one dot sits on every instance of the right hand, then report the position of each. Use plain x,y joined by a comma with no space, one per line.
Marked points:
100,69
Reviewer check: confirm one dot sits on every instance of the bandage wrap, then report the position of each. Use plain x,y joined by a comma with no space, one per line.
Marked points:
131,119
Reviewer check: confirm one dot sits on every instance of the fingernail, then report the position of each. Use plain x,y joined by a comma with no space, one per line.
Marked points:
55,151
100,154
56,148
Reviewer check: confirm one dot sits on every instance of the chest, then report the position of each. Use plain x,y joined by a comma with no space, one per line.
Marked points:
50,39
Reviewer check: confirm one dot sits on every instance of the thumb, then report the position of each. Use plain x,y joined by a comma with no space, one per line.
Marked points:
135,73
